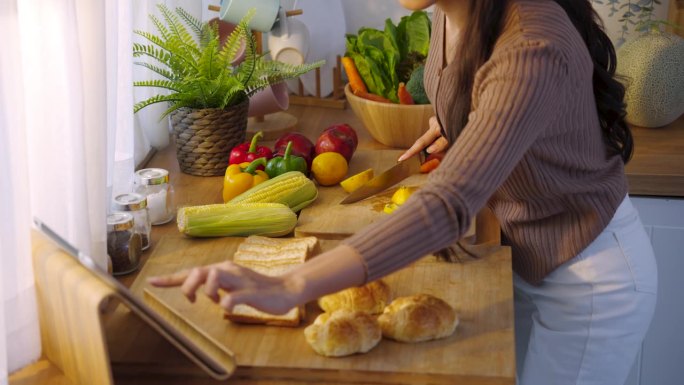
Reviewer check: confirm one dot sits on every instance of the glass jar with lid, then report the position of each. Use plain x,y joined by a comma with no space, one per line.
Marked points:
153,183
124,244
136,204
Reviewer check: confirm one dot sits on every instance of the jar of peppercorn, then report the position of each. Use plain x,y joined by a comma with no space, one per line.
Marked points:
124,244
136,204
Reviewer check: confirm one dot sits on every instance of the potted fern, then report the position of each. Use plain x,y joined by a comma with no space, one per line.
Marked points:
208,97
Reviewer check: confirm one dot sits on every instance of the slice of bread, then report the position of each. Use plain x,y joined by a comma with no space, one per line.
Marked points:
273,257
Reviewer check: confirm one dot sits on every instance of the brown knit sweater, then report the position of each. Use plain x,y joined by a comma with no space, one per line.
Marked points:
532,151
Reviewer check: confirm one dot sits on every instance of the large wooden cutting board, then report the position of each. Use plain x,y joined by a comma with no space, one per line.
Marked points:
481,351
327,219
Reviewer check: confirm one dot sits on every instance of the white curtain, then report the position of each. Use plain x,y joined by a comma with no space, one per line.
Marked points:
66,142
68,138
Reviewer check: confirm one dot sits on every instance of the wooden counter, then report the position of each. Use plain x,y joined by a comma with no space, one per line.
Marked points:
138,355
657,169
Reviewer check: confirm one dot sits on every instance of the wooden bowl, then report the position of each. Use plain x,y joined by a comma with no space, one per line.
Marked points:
394,125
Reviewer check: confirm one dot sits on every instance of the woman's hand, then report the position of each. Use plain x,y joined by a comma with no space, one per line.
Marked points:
432,139
275,295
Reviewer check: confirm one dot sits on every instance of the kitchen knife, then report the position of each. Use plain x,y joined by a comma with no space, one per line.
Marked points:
387,179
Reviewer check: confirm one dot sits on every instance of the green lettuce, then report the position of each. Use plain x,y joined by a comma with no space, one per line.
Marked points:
385,58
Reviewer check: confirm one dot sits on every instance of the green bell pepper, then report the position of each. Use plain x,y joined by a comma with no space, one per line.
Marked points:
288,162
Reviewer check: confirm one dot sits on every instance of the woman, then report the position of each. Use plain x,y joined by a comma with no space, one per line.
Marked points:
533,122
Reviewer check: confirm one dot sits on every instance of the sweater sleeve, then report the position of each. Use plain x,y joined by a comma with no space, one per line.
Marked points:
518,92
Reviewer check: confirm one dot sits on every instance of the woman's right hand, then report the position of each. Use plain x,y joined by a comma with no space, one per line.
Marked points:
432,139
229,284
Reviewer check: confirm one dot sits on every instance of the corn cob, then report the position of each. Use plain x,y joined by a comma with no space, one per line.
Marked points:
292,188
222,220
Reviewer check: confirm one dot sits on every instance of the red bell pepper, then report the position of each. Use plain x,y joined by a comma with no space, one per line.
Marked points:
249,151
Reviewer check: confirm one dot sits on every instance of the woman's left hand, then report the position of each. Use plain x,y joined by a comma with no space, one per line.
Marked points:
432,140
275,295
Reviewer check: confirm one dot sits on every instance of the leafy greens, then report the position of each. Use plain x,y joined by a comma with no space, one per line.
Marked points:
386,58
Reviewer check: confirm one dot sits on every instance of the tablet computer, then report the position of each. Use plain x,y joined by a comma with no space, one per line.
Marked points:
212,357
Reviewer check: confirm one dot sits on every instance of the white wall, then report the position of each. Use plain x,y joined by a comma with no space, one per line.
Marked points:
365,13
614,26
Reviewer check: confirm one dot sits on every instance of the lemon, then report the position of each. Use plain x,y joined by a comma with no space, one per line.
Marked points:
355,181
390,207
402,194
329,168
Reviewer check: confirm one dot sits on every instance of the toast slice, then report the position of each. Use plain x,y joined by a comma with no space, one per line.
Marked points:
273,257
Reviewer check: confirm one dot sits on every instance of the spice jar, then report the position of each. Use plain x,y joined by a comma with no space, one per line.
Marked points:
124,245
153,183
136,204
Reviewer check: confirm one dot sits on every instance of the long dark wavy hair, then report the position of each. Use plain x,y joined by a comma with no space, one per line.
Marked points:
486,17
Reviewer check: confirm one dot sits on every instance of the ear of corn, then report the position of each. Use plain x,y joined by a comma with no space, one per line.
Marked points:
292,188
223,220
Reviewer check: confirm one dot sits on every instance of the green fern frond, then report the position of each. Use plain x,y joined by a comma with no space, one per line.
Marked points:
207,62
198,71
168,84
161,71
155,99
208,33
160,27
247,67
234,42
194,23
175,61
176,27
273,72
152,51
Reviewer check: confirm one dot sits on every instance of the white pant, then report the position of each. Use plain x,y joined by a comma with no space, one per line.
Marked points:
585,323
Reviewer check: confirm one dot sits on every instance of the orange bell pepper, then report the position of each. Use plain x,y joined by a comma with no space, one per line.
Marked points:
429,165
241,177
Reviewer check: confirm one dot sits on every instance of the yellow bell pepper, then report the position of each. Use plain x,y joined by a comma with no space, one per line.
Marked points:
241,177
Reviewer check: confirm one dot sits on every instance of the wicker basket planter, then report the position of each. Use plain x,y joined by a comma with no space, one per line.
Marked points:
204,137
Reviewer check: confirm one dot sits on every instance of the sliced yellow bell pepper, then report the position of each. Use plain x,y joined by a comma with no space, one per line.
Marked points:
241,177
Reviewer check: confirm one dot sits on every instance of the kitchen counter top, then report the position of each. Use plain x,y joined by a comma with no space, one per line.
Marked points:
657,169
128,359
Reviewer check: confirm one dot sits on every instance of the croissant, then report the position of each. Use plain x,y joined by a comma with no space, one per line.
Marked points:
417,318
343,332
370,298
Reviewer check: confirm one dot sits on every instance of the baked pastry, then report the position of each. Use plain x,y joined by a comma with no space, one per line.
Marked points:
271,256
417,318
343,332
370,298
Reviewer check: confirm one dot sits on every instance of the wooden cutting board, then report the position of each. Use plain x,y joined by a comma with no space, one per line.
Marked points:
481,351
325,218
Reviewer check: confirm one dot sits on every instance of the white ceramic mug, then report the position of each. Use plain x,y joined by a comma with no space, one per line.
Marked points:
271,99
224,31
289,41
266,14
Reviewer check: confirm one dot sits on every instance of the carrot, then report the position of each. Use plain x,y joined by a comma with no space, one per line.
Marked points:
355,81
429,165
373,97
403,95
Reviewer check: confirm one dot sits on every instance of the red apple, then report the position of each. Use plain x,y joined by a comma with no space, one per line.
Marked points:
301,146
347,130
335,140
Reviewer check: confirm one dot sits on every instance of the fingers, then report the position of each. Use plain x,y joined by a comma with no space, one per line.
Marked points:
170,280
195,279
431,135
438,145
211,286
273,304
241,285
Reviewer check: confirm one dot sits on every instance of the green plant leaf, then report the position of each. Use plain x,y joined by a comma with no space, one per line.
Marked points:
198,71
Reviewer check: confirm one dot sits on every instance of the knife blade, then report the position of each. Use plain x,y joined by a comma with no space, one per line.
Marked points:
387,179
